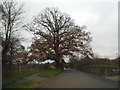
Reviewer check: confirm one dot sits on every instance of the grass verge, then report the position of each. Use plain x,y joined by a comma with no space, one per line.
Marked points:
49,73
105,65
26,85
20,75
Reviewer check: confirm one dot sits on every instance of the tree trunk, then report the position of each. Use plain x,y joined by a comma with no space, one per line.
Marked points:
4,58
59,64
57,61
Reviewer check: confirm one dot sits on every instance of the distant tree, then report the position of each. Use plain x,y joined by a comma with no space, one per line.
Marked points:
10,22
73,62
22,58
117,59
56,35
15,47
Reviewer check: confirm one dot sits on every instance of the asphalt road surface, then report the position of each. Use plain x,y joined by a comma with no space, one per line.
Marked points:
78,79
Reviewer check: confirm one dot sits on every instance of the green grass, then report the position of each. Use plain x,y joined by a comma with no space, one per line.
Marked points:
26,85
20,75
47,73
50,73
114,66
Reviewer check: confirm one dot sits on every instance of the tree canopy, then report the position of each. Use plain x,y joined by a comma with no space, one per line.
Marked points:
56,35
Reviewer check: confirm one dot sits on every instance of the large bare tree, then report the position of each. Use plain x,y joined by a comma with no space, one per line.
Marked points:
56,36
10,22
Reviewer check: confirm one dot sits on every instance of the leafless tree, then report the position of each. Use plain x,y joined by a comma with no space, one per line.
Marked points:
10,22
57,36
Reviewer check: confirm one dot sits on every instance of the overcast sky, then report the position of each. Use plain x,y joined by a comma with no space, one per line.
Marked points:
100,17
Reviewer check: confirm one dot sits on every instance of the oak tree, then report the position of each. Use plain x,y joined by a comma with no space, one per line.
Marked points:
56,36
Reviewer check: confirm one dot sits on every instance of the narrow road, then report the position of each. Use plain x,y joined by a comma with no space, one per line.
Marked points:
78,79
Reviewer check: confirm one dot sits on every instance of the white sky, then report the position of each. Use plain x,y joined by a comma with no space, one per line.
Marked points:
100,17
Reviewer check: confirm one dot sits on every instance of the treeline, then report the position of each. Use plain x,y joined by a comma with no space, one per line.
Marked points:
101,66
87,62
